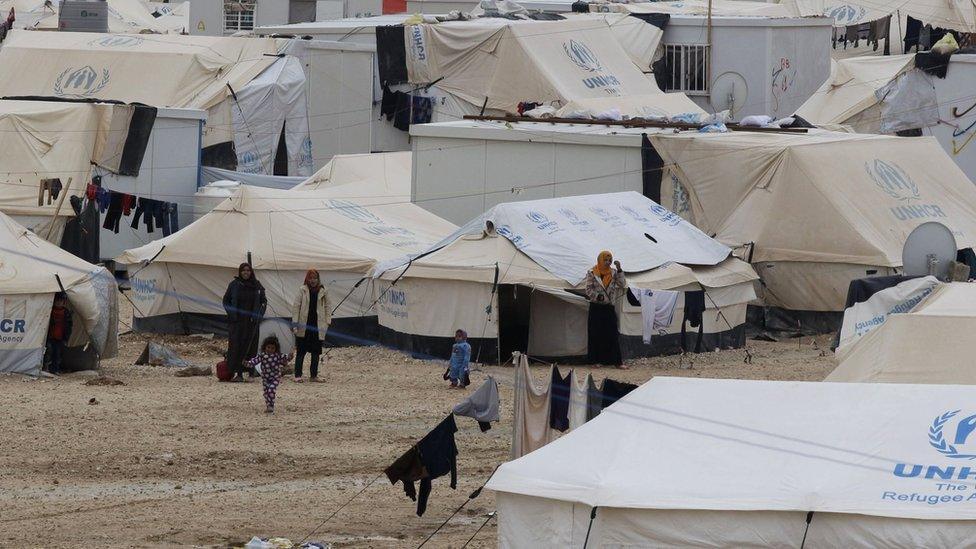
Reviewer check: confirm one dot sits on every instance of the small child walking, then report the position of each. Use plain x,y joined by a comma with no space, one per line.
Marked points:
460,360
58,333
271,361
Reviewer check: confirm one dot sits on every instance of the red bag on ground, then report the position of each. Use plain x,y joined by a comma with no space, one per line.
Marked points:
223,371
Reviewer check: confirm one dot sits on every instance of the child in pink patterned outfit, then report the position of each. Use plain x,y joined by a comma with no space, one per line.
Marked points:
271,361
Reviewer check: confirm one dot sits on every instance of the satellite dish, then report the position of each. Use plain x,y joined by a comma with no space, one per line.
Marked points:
729,91
929,250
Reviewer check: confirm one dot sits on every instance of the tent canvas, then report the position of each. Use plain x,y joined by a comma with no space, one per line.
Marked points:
34,145
32,271
679,460
462,281
719,8
124,16
199,72
930,343
498,63
341,230
950,14
814,211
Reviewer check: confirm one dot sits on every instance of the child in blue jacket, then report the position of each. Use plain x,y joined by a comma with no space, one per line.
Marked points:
460,360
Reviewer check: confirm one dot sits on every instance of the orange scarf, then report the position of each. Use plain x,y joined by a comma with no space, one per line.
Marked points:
605,273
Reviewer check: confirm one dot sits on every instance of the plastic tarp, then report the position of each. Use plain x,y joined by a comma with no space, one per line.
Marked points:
678,460
861,318
950,14
211,175
931,343
30,270
851,90
576,64
269,106
565,235
908,102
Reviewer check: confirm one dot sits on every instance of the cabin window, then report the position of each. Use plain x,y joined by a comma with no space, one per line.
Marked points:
686,68
239,15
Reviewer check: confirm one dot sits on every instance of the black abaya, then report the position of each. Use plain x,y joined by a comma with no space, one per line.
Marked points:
603,341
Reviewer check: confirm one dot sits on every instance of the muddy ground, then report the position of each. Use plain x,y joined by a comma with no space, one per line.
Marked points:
164,461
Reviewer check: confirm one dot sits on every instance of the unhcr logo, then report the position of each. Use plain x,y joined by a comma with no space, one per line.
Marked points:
893,180
542,222
354,211
845,14
582,56
117,41
83,82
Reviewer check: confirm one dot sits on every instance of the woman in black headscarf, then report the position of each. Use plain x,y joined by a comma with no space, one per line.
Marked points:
245,303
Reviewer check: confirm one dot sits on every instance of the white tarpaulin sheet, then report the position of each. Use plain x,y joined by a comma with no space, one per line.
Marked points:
885,450
273,104
565,235
863,317
909,102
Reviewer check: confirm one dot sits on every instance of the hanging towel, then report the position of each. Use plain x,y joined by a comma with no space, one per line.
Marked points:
530,430
559,401
482,405
578,399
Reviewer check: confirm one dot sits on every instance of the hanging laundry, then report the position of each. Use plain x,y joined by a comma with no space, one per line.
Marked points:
578,399
530,430
559,401
423,110
80,235
694,313
401,115
114,213
128,202
174,217
147,209
433,457
657,310
614,390
482,405
388,103
594,399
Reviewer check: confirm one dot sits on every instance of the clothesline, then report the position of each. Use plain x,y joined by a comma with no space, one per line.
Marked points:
116,204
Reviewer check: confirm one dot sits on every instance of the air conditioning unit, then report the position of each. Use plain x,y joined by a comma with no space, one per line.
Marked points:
83,16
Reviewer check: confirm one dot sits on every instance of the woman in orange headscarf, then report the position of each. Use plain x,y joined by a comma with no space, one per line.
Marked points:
605,285
310,318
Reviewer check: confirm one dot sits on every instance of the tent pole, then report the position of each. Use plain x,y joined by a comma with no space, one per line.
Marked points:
54,216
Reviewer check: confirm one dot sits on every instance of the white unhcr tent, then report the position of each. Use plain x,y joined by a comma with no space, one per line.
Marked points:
32,271
728,463
950,14
814,211
342,230
198,72
930,343
504,277
574,65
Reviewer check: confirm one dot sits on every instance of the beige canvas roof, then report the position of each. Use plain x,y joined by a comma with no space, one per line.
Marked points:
133,16
385,175
821,197
347,227
950,14
850,91
158,70
930,344
577,60
720,8
46,139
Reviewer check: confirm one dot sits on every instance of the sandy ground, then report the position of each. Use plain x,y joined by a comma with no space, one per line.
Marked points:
163,461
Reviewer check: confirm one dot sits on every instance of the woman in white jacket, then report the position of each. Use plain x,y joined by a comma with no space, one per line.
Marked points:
311,315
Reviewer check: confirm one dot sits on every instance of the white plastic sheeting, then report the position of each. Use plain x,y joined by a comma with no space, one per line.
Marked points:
863,317
909,102
274,101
